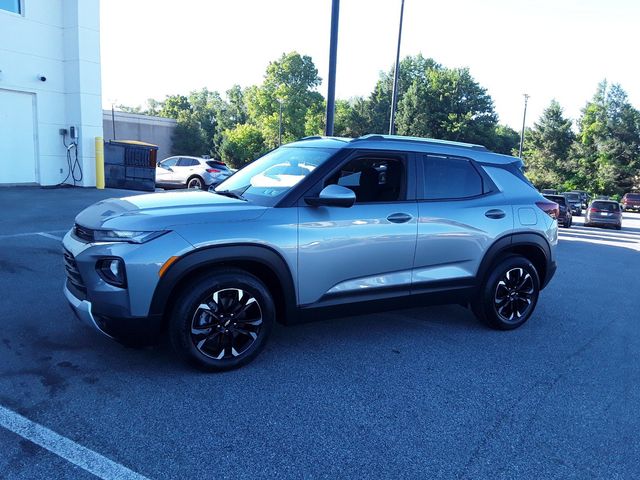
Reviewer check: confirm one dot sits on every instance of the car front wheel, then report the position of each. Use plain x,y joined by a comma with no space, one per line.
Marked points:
222,320
509,294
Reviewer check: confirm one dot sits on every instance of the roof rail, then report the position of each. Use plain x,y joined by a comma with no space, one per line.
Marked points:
311,137
419,140
320,137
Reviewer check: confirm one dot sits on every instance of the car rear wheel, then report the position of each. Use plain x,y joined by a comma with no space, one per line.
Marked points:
509,294
195,183
222,320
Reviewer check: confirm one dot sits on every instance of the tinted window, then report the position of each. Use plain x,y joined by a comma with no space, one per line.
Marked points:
633,196
574,197
449,177
560,200
373,179
188,162
218,165
606,206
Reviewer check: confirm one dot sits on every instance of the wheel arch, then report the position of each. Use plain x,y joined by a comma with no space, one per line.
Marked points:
261,261
532,246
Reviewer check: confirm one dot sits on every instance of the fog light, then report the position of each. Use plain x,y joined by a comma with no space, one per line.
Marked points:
111,270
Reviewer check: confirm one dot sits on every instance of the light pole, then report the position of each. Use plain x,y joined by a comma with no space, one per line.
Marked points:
524,119
113,120
279,122
333,55
396,72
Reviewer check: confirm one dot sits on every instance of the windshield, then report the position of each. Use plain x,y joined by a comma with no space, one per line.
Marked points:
606,206
266,180
572,196
633,196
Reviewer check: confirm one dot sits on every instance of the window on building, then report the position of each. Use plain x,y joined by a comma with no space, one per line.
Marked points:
11,5
449,178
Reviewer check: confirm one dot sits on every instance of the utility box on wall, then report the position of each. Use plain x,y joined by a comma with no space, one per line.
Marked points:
130,165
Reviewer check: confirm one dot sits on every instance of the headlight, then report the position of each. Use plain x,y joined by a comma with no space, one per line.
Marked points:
125,236
112,271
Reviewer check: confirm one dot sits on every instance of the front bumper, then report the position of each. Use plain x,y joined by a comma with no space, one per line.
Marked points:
82,310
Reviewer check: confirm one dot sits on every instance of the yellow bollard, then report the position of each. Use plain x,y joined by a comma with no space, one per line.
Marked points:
99,163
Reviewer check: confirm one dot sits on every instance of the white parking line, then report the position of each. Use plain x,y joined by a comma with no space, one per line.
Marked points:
44,234
72,452
48,235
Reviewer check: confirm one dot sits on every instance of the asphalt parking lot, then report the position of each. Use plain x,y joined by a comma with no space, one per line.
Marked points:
422,393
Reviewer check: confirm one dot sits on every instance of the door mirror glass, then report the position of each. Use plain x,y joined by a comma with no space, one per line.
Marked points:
333,196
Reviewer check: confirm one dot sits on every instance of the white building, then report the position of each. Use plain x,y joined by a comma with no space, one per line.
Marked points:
49,80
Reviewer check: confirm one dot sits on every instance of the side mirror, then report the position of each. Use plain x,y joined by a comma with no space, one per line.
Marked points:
333,196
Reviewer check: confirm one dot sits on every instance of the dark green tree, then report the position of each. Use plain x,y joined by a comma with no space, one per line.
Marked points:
547,150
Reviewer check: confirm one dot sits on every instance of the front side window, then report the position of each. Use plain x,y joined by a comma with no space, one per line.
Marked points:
169,162
373,179
269,178
450,178
11,6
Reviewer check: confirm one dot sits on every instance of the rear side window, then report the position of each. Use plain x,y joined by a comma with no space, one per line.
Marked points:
606,206
188,162
632,196
450,178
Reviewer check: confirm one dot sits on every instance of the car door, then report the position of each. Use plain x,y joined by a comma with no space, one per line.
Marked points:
185,168
165,171
345,254
461,213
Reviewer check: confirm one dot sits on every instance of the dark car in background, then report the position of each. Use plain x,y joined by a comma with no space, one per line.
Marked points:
604,213
575,202
631,201
584,197
565,218
549,191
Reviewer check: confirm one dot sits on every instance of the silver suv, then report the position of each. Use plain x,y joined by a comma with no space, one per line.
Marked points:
322,226
190,172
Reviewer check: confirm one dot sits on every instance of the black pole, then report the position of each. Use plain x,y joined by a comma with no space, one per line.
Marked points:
524,119
280,124
333,55
396,73
113,121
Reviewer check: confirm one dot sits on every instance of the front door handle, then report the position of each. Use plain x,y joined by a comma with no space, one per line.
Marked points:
399,217
494,213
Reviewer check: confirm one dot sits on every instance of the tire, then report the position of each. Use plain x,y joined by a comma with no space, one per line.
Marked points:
509,294
196,182
218,341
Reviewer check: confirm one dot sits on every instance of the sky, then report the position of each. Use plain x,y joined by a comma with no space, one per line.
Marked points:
548,49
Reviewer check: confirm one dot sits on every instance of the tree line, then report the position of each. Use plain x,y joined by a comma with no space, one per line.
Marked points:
602,155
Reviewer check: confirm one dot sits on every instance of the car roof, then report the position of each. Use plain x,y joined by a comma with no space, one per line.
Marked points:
602,200
401,143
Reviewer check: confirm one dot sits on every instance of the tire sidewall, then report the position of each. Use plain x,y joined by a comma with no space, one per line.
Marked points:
202,185
490,314
192,295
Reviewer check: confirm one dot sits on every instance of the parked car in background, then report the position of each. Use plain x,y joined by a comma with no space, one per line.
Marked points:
310,229
575,202
584,197
549,191
631,201
565,218
190,172
604,213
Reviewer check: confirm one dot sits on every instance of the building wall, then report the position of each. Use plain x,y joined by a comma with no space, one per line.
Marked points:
59,40
144,128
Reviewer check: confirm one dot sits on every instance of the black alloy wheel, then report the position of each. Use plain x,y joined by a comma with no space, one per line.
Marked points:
509,294
196,183
222,319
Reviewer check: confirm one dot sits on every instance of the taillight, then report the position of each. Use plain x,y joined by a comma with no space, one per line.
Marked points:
213,170
550,208
593,210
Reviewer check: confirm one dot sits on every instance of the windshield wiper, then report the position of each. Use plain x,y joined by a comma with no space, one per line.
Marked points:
230,193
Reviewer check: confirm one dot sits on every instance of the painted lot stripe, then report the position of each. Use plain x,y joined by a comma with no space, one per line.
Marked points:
44,234
48,235
84,458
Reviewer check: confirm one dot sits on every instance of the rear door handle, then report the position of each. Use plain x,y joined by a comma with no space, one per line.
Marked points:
494,213
399,217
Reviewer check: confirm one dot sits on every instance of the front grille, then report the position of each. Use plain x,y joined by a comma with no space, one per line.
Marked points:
83,233
73,274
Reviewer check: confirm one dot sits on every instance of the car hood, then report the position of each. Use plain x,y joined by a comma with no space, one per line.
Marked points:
163,210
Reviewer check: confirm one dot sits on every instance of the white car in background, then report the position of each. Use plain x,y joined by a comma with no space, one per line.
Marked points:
190,172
